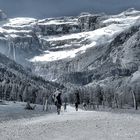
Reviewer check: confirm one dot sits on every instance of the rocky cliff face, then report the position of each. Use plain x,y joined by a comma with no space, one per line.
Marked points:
85,50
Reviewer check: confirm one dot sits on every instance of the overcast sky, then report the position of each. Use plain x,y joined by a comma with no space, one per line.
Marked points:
53,8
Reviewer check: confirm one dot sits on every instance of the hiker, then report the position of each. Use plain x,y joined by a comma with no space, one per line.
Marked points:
57,100
20,97
65,106
65,103
34,96
59,103
84,105
77,100
44,99
76,106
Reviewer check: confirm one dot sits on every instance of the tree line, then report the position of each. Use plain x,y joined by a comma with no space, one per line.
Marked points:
107,96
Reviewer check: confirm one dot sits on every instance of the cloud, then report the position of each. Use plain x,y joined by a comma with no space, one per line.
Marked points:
53,8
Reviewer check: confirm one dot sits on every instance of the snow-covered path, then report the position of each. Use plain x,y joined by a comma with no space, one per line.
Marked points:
71,125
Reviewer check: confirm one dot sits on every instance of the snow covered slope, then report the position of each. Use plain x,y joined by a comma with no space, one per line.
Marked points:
114,25
86,40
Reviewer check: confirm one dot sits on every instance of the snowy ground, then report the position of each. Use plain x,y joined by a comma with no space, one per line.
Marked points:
13,111
71,125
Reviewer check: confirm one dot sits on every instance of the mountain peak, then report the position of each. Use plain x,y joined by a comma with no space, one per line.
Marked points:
131,11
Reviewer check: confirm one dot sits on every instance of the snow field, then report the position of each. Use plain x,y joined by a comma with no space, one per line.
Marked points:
72,125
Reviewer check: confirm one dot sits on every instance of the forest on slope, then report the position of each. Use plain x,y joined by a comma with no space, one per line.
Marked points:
18,84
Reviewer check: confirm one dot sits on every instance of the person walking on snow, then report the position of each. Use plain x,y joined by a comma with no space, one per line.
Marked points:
85,105
77,100
65,106
65,103
59,103
57,100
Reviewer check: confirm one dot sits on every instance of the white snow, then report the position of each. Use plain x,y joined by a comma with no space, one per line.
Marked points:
114,25
97,37
17,31
135,76
16,25
56,22
52,56
16,110
64,20
123,20
20,21
1,30
72,125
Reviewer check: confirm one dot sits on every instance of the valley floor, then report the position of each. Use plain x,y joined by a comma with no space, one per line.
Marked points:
71,125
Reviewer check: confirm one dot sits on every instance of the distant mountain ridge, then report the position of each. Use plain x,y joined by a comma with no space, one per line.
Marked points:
47,8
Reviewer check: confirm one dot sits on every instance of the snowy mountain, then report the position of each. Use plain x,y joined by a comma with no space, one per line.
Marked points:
87,50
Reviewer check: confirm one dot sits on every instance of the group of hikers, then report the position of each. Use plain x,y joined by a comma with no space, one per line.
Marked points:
57,99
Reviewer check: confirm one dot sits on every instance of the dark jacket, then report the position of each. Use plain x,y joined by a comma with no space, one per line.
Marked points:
77,98
59,101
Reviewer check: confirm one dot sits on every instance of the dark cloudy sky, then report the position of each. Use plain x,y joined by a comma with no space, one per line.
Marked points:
53,8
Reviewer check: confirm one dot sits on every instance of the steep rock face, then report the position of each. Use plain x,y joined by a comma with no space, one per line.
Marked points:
20,48
89,22
18,39
58,26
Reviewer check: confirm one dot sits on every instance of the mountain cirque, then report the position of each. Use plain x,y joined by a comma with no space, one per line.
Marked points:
85,50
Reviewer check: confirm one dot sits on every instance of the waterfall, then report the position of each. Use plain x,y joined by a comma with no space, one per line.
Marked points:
14,51
9,46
